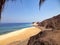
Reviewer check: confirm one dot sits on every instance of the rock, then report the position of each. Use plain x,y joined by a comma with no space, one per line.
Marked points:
53,23
47,37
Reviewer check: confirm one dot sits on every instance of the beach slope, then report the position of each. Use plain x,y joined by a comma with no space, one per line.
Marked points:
19,35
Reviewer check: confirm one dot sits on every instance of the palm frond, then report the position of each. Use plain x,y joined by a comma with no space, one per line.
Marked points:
41,2
2,2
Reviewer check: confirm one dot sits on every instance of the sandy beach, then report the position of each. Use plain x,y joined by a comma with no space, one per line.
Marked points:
19,35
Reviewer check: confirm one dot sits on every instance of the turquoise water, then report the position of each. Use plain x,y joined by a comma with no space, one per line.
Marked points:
9,27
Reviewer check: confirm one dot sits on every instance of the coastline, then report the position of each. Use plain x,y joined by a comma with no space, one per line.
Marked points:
19,35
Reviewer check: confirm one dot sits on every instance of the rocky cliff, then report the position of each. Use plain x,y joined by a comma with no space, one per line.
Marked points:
48,37
53,23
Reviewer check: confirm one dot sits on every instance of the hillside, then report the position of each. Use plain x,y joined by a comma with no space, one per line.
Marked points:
47,37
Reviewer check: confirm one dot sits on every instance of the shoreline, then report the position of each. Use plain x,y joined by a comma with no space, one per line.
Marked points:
18,35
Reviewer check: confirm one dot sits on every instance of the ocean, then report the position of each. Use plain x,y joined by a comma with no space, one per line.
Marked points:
9,27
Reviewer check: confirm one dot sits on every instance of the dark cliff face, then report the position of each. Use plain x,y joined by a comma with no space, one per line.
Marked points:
48,37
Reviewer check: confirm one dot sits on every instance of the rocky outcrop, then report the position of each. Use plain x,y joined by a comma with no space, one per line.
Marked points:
53,23
47,37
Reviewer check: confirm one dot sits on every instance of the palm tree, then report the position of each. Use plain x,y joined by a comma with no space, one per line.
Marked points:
2,2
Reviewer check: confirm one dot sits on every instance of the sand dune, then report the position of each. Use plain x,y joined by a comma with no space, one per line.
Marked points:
19,35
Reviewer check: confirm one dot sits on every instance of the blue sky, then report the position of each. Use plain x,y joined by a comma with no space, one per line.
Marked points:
28,11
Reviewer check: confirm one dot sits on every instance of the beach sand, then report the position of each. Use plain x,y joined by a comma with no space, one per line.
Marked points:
19,36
